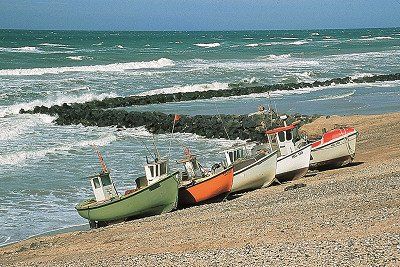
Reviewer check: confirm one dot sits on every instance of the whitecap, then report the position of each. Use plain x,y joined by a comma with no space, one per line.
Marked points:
25,49
298,43
208,45
275,57
53,45
252,45
79,58
115,67
188,88
53,100
15,126
119,46
332,97
21,156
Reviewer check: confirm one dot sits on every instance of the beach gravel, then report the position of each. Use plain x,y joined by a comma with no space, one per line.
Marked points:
344,217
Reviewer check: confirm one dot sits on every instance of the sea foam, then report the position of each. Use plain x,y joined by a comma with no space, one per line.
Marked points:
189,88
208,45
21,156
115,67
53,100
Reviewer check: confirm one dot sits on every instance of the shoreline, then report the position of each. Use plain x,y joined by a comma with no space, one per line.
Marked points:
345,216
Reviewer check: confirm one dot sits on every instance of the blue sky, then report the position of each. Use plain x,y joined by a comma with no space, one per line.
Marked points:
197,14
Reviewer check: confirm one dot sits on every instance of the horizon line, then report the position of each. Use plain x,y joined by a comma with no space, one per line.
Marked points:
215,30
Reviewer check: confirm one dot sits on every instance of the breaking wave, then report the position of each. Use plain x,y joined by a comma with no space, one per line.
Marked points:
208,45
188,88
25,49
115,67
79,58
16,126
21,156
51,101
332,97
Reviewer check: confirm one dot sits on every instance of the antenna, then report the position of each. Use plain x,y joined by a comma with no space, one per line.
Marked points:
101,160
148,150
155,148
223,125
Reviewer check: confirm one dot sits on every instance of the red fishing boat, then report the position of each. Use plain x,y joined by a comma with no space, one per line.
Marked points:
199,184
336,148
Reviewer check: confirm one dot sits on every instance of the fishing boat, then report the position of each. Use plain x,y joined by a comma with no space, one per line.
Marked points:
155,193
294,153
252,169
336,148
199,184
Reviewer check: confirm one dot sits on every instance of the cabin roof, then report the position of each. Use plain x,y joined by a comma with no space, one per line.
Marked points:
280,129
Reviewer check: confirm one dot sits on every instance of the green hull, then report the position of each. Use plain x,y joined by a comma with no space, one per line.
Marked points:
152,200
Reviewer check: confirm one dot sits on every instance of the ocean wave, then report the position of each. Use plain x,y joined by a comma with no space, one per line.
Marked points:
289,38
252,45
53,45
208,45
79,58
115,67
188,88
53,100
21,156
298,43
360,75
332,97
276,57
25,49
13,127
376,38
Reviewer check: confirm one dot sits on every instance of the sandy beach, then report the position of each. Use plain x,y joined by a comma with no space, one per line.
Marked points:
343,217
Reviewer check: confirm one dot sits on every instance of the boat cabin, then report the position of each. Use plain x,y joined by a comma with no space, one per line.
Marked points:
235,153
154,171
284,137
103,186
192,167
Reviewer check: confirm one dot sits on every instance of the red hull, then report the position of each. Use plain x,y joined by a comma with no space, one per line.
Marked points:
220,183
331,135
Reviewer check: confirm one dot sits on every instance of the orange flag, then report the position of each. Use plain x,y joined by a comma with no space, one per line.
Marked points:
177,118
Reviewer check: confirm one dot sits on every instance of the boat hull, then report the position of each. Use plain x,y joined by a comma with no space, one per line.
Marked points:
337,152
155,199
294,165
254,173
216,185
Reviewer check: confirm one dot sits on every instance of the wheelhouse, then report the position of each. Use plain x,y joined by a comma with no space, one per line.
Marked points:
103,186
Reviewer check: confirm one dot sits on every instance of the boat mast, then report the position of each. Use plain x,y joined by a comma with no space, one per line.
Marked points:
101,160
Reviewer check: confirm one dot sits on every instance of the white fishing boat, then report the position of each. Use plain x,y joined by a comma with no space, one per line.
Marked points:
252,170
336,148
294,153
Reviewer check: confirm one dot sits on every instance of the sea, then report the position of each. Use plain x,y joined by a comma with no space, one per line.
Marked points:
44,165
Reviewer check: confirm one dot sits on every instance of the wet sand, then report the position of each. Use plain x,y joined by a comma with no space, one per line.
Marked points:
348,217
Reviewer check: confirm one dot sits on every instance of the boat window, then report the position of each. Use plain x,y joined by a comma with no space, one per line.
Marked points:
151,170
96,182
105,180
231,156
281,136
194,164
163,168
288,135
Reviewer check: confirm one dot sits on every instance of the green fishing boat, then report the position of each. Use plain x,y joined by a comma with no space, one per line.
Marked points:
156,193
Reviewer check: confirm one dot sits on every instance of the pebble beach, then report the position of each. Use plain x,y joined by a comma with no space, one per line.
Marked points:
343,217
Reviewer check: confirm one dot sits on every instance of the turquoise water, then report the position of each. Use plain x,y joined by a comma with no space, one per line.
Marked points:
44,165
